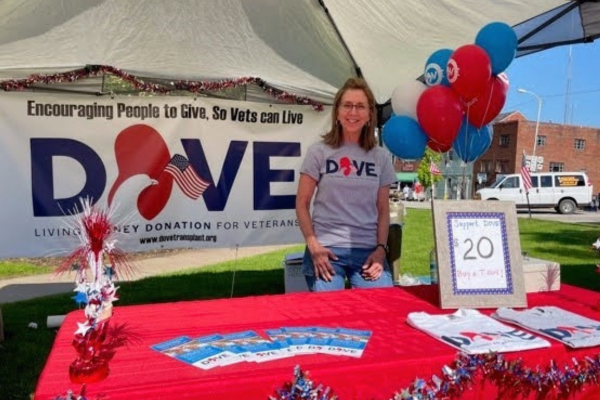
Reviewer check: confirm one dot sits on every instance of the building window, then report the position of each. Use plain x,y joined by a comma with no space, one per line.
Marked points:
502,167
556,166
450,155
487,166
504,140
541,141
579,144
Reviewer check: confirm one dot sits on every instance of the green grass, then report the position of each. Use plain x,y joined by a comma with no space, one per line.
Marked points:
11,269
24,352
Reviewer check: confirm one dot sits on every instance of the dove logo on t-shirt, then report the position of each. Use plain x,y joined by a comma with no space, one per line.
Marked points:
469,338
563,332
346,166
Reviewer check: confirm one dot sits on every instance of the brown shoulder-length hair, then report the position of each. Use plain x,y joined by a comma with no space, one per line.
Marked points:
367,136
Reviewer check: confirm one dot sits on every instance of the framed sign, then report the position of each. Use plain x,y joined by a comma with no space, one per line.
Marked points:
478,254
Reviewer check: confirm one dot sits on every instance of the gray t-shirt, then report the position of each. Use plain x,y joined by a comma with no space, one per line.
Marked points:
345,205
572,329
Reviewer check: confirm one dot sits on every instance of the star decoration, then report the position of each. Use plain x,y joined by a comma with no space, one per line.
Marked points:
110,245
94,285
111,295
419,383
82,328
92,312
80,298
109,271
596,244
81,287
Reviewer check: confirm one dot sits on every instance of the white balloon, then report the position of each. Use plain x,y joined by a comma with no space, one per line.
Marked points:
405,97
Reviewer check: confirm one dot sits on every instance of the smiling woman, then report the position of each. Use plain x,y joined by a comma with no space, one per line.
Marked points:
346,234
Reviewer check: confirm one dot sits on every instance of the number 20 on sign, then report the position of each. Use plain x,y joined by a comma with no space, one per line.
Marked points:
478,254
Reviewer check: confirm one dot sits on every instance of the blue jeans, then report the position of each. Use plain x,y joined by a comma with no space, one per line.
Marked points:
348,265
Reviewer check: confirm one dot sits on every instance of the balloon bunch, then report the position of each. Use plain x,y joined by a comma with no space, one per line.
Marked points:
464,90
96,261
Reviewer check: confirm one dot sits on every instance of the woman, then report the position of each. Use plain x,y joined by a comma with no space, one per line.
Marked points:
347,234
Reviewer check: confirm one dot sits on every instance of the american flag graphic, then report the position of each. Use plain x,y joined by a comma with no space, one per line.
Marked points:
434,169
186,177
525,174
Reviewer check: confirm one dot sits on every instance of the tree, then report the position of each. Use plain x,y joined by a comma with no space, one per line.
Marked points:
425,177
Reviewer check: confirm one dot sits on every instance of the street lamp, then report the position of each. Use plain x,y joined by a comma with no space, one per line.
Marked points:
537,124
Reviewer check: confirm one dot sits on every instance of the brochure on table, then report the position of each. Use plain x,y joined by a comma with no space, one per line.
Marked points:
218,350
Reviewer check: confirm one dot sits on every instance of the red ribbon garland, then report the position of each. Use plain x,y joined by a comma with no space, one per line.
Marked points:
139,84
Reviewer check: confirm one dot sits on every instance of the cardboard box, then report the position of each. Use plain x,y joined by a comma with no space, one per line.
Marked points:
293,276
540,275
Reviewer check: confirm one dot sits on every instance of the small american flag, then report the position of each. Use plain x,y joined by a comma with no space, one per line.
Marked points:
525,174
434,169
186,177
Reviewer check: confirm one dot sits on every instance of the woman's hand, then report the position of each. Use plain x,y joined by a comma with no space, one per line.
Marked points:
320,258
373,267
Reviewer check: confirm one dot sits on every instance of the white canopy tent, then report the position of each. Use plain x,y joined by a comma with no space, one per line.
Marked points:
305,47
301,47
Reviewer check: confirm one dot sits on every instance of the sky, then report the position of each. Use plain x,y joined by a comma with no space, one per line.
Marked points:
546,74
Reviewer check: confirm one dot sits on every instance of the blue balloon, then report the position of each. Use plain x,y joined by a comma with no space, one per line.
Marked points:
435,68
471,142
500,42
404,137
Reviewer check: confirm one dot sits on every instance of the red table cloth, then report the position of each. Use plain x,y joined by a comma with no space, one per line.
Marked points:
395,356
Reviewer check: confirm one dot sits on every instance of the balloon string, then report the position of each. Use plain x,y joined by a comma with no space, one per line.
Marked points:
463,184
487,107
466,123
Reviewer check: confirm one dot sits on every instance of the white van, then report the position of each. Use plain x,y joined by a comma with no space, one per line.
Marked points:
565,191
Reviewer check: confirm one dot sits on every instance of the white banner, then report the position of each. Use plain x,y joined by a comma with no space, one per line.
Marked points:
179,172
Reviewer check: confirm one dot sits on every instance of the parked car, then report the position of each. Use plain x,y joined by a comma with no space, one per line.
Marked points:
565,191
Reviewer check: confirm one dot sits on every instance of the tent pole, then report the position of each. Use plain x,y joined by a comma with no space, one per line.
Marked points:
339,35
550,21
380,123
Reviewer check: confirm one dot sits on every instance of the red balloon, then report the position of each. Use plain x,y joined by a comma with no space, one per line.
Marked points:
469,71
489,104
440,113
439,147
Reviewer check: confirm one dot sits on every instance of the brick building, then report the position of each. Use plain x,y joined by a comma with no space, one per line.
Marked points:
559,148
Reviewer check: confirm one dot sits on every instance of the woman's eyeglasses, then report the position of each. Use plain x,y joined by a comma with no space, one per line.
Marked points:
349,106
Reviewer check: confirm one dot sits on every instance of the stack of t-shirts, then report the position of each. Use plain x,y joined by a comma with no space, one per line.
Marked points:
564,326
475,333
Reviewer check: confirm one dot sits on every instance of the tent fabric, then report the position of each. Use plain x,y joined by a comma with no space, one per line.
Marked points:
306,47
290,44
572,22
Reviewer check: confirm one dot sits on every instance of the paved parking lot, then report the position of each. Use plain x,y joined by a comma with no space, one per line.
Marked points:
579,217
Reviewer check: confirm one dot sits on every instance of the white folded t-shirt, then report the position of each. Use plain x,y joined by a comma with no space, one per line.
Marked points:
474,333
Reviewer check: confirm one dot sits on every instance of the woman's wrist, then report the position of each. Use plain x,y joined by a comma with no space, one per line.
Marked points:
312,244
382,246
